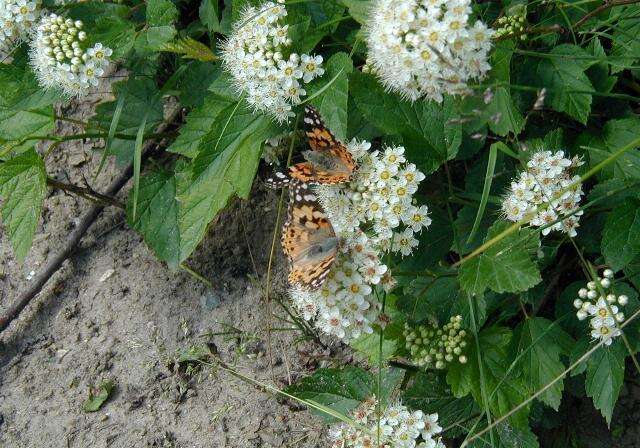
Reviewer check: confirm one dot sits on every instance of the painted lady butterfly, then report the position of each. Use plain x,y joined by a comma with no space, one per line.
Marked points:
308,238
328,161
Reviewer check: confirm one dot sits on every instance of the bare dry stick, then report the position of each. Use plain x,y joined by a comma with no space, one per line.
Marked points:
606,5
85,222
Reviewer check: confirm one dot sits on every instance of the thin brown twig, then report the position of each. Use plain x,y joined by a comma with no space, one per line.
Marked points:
74,238
606,5
87,193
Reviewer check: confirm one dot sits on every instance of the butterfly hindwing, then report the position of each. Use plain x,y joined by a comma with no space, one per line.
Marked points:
308,238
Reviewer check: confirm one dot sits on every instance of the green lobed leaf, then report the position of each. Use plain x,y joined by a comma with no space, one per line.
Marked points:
332,102
98,397
428,297
605,374
615,135
157,215
161,13
626,45
506,266
621,236
504,392
141,97
430,393
198,124
538,344
195,81
25,109
116,33
344,389
368,345
225,166
504,115
209,15
563,74
358,9
23,187
428,130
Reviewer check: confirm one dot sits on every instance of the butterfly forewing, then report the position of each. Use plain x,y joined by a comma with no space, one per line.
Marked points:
329,162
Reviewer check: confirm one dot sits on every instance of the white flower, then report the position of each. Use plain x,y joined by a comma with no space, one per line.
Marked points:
543,184
405,242
604,314
60,57
17,18
311,67
417,217
425,49
396,426
253,55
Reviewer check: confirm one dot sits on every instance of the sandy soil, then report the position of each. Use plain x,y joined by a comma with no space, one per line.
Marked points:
115,313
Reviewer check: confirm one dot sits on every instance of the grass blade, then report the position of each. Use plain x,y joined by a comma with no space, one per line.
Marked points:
112,131
137,161
488,179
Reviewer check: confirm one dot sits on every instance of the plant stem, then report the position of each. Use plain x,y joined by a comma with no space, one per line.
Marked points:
516,226
606,5
86,193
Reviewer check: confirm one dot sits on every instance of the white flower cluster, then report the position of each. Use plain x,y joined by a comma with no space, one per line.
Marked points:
17,17
426,48
345,306
62,59
256,56
378,200
594,301
399,428
545,180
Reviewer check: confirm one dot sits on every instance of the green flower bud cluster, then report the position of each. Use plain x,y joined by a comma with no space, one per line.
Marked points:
514,24
431,346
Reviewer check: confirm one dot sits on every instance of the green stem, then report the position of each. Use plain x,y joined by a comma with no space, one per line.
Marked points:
516,226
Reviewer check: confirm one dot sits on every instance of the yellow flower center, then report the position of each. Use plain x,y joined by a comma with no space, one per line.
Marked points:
602,312
355,288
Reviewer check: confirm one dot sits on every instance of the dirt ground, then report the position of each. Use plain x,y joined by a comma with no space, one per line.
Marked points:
115,313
